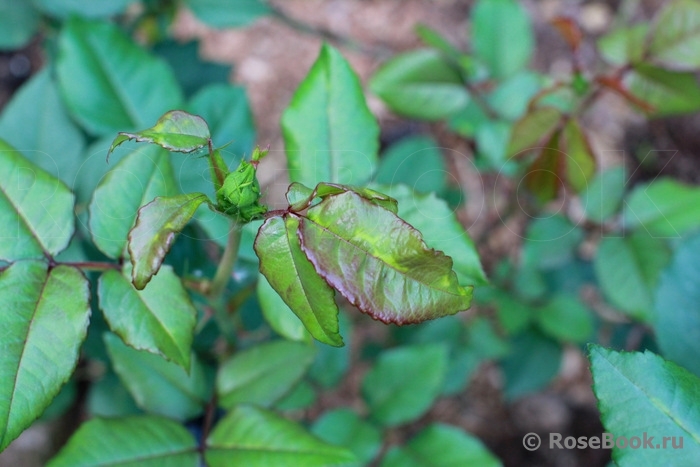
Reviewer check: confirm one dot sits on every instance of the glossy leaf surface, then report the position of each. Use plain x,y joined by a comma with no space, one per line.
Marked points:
329,133
278,315
641,394
380,263
146,441
263,374
109,83
176,131
42,326
441,230
294,278
420,84
36,209
159,319
138,178
259,438
158,386
153,234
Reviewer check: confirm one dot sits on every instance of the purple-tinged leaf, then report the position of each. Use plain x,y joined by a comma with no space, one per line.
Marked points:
154,232
379,262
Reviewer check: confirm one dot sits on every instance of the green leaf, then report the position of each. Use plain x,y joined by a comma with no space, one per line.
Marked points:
263,374
192,71
491,140
159,319
134,181
531,130
533,361
36,209
294,278
227,111
109,83
415,161
146,441
44,322
676,319
52,141
63,9
176,131
502,36
19,21
159,386
624,45
404,382
512,96
278,315
108,397
440,444
603,196
331,364
329,133
222,14
302,396
157,223
675,40
343,427
420,84
256,437
550,242
628,270
579,162
566,318
641,395
668,92
441,230
380,264
664,208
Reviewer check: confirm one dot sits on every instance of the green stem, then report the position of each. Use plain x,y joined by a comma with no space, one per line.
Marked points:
228,261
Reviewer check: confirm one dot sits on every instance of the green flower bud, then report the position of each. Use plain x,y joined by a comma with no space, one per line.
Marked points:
240,194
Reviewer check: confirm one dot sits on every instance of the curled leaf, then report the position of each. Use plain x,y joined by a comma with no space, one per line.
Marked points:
175,131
